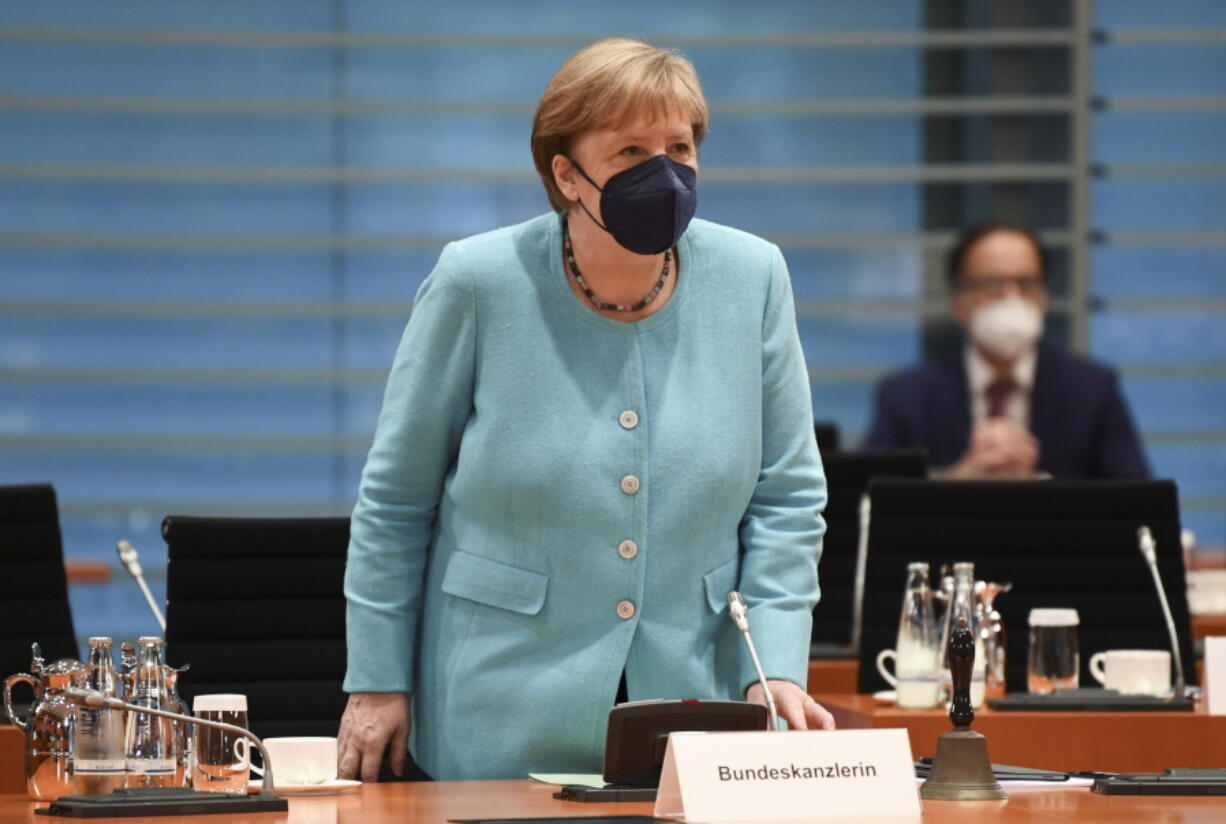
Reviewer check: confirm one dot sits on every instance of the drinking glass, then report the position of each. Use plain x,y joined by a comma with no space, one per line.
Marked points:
221,764
1054,661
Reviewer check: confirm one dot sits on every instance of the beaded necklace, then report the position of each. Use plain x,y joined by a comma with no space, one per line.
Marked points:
587,290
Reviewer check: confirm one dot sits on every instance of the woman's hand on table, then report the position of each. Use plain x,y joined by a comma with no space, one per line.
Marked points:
794,705
370,721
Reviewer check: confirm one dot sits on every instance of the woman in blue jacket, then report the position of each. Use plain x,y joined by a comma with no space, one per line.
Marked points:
597,424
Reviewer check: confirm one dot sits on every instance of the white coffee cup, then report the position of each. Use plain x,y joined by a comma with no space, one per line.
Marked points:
301,760
1207,591
1133,671
918,680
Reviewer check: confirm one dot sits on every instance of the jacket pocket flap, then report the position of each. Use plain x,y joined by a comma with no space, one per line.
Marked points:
494,584
720,581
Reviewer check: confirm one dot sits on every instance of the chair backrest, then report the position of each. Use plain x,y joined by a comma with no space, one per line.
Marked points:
33,585
847,477
256,606
1061,544
827,434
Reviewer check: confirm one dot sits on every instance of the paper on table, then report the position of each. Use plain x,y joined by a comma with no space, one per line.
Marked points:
563,779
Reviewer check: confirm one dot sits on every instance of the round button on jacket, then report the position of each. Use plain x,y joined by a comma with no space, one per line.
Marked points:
627,549
628,419
625,610
630,484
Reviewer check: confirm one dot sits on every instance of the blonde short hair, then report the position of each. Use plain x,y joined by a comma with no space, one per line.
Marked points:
605,85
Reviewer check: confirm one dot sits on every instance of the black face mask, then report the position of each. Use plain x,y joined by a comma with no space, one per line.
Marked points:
648,206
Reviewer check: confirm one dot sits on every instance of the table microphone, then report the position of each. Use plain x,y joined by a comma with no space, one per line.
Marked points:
740,616
1145,542
131,562
101,701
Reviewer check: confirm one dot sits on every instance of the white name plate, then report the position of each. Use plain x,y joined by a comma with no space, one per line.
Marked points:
1215,675
776,776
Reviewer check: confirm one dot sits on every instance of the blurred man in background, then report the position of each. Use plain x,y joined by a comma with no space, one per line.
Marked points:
1005,406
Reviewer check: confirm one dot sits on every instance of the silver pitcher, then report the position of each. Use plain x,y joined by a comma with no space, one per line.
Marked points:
50,730
182,730
992,632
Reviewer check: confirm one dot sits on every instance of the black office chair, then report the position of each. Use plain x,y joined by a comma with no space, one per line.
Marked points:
33,584
847,478
827,434
256,607
1061,543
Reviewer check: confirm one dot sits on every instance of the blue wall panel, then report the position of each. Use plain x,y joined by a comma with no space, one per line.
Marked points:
1159,204
153,208
1140,272
49,409
1139,337
687,17
1175,404
178,71
174,275
157,478
216,15
847,404
859,341
158,140
890,274
228,343
767,209
1159,137
1145,70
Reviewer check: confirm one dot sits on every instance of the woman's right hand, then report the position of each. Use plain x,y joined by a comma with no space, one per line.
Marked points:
371,720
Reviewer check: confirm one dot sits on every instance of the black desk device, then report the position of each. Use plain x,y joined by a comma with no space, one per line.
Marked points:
637,738
144,801
1182,781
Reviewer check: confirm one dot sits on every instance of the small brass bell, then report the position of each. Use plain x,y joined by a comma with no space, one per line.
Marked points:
961,770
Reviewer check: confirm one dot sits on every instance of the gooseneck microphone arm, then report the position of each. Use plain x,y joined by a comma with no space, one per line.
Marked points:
857,598
131,562
740,616
100,701
1145,542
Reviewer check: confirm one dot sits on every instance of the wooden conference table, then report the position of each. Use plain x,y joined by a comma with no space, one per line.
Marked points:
436,803
1076,741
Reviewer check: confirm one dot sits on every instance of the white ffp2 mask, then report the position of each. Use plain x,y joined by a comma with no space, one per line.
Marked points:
1007,327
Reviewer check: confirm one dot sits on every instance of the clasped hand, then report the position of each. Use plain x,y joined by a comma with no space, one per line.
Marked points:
999,448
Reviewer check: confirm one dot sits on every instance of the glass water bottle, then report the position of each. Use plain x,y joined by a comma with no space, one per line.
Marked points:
150,738
918,645
98,759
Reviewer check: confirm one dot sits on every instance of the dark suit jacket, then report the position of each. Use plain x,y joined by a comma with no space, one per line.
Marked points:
1077,413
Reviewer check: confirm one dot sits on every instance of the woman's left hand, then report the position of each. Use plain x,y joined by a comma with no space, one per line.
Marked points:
794,705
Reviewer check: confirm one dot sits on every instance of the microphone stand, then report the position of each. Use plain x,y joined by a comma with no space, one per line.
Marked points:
740,616
131,562
97,700
1147,545
857,603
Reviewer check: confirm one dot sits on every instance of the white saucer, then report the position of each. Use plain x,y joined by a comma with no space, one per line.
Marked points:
336,785
890,696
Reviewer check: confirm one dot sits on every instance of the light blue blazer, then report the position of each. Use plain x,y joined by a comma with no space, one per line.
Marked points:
519,540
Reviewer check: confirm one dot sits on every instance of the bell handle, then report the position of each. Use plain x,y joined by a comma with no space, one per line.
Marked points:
35,685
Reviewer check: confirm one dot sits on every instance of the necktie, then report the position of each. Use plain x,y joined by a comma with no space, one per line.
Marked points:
998,393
